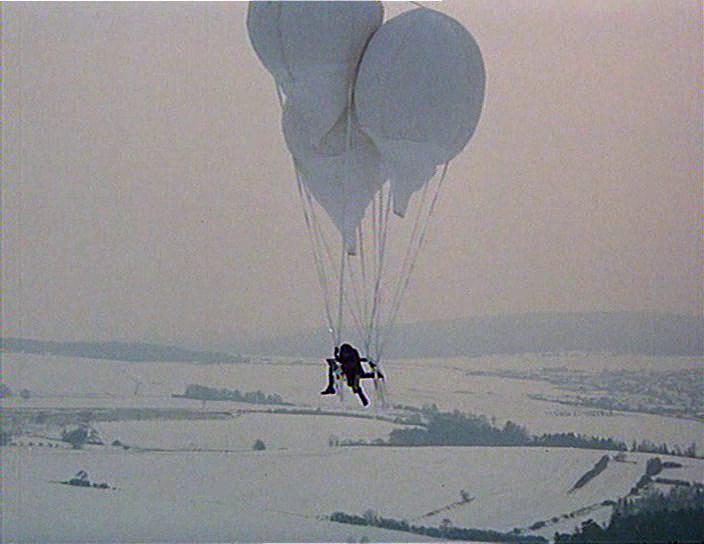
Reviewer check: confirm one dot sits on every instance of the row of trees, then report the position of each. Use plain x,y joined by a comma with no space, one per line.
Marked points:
445,531
201,392
655,517
592,473
572,440
435,428
460,429
647,446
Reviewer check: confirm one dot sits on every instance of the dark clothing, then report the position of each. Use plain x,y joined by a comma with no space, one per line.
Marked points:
349,363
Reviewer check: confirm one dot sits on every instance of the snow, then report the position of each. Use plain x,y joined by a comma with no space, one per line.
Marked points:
277,431
232,493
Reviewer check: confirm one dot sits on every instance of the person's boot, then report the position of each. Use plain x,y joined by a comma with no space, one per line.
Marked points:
362,397
376,372
329,390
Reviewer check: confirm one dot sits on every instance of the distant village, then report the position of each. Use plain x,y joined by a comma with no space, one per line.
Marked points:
672,393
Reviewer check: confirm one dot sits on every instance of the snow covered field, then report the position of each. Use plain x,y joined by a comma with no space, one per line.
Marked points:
237,494
86,382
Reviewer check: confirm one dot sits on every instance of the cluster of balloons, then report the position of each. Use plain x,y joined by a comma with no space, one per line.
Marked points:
364,102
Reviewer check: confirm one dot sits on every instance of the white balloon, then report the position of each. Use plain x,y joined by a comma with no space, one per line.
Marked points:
419,95
313,49
342,180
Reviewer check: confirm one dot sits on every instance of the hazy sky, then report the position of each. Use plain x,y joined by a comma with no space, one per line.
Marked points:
147,192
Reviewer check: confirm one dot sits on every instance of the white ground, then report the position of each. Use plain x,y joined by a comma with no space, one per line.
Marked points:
275,495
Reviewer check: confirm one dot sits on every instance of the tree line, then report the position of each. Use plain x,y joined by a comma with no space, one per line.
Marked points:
431,427
445,531
656,517
460,429
201,392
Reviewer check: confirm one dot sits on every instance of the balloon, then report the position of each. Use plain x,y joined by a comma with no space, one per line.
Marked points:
313,49
364,103
419,96
342,181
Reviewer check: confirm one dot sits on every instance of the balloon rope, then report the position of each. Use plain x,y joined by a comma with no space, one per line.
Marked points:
385,228
414,259
357,315
318,244
410,249
340,297
356,288
317,256
308,215
345,181
318,229
375,221
322,240
357,274
375,228
363,269
413,240
373,332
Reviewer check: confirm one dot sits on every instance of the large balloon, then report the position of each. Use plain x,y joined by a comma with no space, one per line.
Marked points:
342,175
419,95
313,49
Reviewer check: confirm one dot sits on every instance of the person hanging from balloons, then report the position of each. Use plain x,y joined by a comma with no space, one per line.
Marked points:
348,362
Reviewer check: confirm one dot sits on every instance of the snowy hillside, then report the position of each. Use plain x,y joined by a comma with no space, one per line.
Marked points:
199,480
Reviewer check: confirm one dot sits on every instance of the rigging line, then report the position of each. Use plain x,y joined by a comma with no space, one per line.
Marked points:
323,241
377,204
384,231
316,255
21,172
372,220
380,218
409,250
317,258
340,297
378,268
318,228
356,300
368,290
368,283
385,227
345,181
317,250
404,277
354,283
320,263
375,221
363,270
420,219
331,260
328,251
377,214
422,240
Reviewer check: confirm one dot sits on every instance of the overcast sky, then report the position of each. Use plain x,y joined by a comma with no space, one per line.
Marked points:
147,192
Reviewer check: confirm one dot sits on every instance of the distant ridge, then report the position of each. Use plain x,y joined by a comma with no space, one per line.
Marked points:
598,332
118,351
